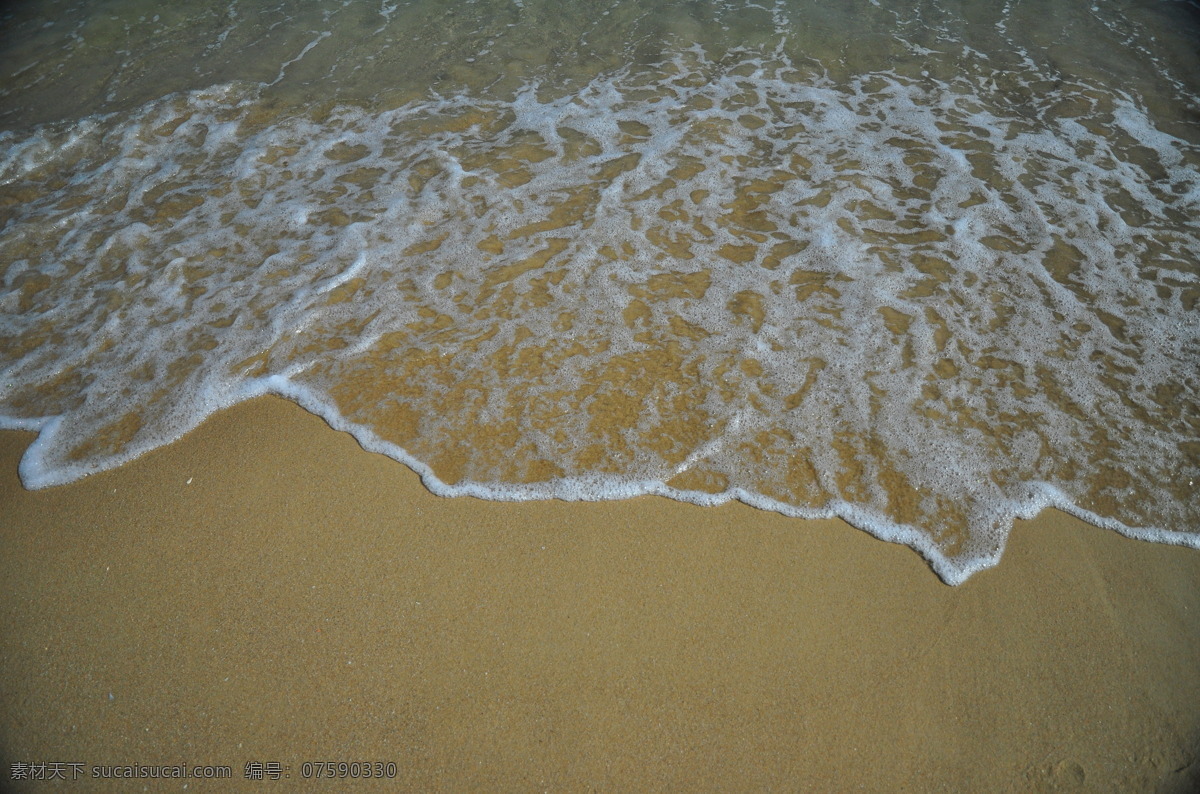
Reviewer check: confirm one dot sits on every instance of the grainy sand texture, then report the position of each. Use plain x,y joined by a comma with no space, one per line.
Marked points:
264,591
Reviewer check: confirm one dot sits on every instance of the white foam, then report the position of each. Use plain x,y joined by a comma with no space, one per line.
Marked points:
871,179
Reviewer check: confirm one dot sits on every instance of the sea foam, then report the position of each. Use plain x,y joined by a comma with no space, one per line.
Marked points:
905,302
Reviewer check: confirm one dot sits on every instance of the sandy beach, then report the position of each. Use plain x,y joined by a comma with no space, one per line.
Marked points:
930,263
264,591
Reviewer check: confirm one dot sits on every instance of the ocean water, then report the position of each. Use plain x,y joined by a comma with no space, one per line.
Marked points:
927,266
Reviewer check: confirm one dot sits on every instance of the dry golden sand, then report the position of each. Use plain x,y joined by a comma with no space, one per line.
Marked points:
264,590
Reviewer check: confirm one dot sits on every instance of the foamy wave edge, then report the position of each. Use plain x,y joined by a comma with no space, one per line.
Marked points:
952,571
1035,496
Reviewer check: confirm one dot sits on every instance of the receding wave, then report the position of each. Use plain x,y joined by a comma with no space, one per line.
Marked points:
919,304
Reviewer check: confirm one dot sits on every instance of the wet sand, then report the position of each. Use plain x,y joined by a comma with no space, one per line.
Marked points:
265,591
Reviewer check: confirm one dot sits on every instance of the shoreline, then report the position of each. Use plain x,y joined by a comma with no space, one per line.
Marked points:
266,590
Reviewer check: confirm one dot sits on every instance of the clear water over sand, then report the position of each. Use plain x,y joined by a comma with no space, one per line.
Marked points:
927,268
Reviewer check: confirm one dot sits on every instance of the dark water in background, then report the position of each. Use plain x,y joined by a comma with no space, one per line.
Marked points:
925,266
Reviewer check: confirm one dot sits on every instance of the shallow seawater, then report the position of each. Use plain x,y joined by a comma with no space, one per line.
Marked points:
925,266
